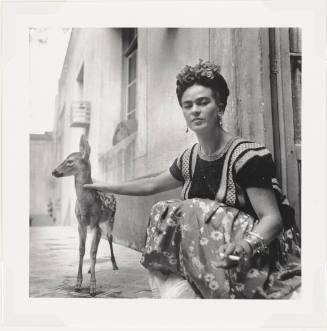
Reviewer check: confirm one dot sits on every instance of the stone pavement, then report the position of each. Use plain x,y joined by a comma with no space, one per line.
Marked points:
54,263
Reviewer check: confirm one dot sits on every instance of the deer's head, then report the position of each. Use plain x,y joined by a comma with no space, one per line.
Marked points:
75,162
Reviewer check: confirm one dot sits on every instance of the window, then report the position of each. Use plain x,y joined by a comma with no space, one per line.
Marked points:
296,86
130,62
296,68
80,83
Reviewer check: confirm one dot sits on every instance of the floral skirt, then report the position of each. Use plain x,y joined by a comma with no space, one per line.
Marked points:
183,237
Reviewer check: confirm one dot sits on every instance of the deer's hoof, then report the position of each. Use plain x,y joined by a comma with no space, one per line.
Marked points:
78,287
92,289
115,267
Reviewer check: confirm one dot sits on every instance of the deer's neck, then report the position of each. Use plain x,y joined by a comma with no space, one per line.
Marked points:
82,178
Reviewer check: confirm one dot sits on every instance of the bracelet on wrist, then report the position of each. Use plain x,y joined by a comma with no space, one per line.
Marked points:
257,243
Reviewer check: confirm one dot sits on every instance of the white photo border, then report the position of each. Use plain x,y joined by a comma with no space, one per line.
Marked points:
20,311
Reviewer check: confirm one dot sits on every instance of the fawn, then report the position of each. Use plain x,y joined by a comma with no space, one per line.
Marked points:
93,209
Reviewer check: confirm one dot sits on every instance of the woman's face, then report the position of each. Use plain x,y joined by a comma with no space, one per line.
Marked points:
200,108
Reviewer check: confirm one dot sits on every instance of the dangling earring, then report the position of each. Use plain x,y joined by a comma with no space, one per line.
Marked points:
220,120
186,130
220,115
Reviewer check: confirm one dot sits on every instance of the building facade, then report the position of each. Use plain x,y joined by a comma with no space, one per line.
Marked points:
118,86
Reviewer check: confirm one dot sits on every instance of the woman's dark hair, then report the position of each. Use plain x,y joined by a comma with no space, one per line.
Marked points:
206,74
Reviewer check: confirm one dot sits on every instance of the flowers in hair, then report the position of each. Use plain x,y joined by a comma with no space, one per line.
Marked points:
204,70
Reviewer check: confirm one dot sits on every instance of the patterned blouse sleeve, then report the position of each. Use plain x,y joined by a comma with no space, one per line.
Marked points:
176,171
255,170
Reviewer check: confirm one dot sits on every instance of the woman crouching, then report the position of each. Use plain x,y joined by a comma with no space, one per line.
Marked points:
232,235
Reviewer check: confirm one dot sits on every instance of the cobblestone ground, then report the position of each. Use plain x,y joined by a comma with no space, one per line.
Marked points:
54,264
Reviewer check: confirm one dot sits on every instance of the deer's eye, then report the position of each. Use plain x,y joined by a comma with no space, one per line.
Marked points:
70,163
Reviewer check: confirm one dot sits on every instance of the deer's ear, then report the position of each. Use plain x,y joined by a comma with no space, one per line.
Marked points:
84,147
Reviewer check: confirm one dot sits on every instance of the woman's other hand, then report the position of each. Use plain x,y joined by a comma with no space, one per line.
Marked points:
231,254
265,205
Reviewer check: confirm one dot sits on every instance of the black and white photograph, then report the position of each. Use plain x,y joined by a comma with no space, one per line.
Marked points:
164,162
193,136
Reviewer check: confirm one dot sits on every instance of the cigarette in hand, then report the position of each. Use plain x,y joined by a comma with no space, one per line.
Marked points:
231,257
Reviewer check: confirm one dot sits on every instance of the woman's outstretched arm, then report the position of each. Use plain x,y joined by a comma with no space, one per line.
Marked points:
146,186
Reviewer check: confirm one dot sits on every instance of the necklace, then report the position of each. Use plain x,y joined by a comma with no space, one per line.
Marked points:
216,155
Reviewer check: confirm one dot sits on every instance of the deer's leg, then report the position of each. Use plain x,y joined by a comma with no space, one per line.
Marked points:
82,240
96,235
109,226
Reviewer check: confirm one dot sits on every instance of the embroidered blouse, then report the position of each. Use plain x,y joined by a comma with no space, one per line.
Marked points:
240,165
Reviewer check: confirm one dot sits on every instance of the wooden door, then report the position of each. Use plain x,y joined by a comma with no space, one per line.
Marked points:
285,79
